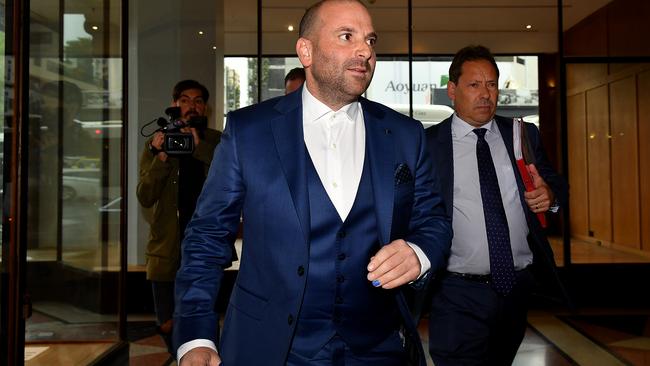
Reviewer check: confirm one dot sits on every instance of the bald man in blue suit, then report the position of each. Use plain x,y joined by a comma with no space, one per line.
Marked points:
340,213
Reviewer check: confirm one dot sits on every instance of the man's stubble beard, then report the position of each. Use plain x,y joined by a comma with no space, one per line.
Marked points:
332,83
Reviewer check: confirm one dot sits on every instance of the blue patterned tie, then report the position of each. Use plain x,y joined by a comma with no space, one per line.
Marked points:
502,267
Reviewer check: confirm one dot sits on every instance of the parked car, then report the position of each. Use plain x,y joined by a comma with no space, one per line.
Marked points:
81,183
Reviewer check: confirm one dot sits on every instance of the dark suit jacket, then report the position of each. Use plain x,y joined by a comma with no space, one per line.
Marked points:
439,144
260,169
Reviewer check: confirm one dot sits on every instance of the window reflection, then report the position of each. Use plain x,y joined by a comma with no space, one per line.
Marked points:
75,132
240,75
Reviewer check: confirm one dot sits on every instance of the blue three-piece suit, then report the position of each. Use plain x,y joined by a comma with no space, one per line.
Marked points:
302,277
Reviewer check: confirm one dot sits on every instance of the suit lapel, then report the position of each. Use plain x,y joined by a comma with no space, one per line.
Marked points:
289,141
505,127
506,133
380,152
445,159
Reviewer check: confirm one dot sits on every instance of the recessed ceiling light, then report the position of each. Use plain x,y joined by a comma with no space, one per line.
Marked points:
290,28
528,26
94,27
214,47
201,33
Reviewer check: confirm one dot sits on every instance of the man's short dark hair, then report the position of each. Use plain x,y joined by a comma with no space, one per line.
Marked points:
184,85
295,73
311,14
470,53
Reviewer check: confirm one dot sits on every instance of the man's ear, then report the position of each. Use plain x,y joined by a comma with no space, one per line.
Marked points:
451,90
303,50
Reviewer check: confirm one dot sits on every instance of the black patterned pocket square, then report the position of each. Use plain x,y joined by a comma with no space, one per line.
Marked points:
403,174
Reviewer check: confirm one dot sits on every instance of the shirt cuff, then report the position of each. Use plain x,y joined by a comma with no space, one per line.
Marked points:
555,207
425,264
195,343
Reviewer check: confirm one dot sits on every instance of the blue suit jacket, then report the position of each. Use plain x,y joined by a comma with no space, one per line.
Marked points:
259,171
439,144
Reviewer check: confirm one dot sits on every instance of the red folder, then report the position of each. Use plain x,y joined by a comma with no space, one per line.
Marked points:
523,157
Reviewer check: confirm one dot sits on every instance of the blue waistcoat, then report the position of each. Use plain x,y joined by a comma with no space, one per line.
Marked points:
339,299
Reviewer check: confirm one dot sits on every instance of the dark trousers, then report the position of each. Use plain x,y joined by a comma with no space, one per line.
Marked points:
470,324
336,352
163,302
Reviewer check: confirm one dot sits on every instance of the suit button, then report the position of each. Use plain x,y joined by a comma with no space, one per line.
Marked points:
340,278
340,234
341,256
301,270
339,300
290,319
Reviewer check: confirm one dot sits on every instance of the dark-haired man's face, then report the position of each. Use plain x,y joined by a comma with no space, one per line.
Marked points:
476,92
191,103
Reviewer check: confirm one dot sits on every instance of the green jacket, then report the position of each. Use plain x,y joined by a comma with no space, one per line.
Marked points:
158,189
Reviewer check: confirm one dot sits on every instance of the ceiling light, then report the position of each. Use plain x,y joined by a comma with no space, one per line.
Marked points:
290,28
94,27
214,47
528,26
201,33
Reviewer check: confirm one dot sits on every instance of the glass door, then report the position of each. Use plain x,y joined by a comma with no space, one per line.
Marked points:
62,248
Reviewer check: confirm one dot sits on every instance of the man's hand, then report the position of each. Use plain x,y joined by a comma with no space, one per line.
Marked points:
541,198
157,141
200,356
394,264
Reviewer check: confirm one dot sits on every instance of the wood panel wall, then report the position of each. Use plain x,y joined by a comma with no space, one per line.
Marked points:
625,163
618,29
643,92
598,164
578,172
609,158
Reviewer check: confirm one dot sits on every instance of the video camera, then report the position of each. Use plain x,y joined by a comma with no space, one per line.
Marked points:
177,142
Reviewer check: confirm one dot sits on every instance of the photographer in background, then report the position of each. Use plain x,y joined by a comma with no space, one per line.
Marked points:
171,184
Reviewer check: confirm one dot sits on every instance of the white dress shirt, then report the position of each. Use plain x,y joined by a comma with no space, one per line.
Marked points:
336,142
469,249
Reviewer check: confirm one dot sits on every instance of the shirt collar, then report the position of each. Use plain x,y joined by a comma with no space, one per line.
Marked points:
460,128
314,109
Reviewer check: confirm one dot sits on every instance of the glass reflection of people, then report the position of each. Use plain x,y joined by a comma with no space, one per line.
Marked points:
294,79
54,135
62,101
170,184
339,213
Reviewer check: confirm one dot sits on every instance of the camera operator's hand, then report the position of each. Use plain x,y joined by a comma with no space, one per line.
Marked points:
194,132
157,142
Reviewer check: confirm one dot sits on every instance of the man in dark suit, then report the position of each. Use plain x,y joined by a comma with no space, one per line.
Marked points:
339,212
479,308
